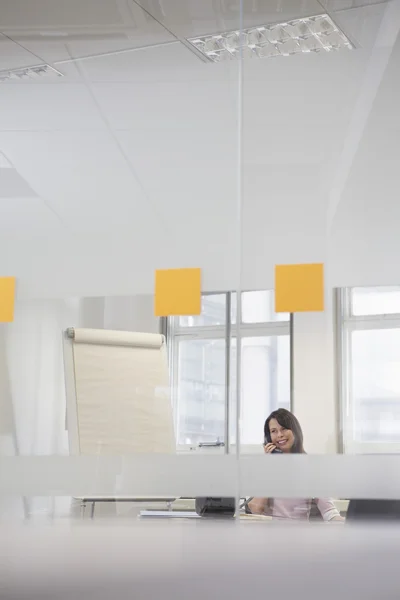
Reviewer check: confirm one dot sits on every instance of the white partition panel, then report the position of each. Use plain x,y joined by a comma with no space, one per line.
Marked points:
118,393
296,476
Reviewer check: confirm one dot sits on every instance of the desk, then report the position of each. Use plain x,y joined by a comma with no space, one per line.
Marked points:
180,514
84,500
182,504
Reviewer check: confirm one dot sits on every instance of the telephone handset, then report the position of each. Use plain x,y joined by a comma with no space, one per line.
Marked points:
275,450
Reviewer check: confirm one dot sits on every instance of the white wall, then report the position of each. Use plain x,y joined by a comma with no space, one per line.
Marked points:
131,313
314,401
126,313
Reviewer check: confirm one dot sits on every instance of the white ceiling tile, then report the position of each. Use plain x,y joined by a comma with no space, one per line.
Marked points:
172,191
85,179
12,56
27,215
36,107
42,14
85,44
374,174
191,18
333,5
175,62
296,105
361,24
170,106
12,185
195,177
170,63
137,29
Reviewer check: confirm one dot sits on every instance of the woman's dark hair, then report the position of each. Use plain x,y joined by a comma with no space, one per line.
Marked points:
287,420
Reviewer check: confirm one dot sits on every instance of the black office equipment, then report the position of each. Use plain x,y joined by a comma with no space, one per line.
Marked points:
215,507
373,510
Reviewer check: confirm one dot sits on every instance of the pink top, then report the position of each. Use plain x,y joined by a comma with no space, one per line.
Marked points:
299,508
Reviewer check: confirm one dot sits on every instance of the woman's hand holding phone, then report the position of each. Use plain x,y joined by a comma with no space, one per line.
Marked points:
268,448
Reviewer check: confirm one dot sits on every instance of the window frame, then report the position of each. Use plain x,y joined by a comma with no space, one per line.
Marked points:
175,333
350,323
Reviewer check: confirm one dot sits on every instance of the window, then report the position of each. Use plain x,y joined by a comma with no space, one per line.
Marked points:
371,369
203,368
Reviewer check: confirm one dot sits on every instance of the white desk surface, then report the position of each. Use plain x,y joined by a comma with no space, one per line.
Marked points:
94,498
179,514
179,503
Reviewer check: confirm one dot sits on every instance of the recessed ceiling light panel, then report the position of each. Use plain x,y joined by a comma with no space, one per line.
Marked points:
310,34
29,73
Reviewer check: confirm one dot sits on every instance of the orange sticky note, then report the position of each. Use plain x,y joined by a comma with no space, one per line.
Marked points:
7,297
299,288
177,292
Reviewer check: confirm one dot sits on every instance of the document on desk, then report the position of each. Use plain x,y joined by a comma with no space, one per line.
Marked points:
169,514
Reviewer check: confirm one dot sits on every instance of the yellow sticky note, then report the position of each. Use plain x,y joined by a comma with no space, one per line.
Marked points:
7,295
178,292
299,288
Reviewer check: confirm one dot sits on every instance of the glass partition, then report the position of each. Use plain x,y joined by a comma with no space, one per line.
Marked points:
133,158
229,137
319,183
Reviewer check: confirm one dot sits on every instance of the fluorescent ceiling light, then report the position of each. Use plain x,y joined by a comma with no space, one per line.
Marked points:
310,34
4,162
29,73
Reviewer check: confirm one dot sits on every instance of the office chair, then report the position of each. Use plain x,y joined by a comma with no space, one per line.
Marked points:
373,510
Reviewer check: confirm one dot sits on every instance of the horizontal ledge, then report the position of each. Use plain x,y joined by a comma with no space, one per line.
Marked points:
296,476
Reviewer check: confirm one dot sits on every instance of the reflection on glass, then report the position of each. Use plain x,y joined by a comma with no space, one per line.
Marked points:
376,385
213,312
258,307
199,368
200,391
375,301
265,383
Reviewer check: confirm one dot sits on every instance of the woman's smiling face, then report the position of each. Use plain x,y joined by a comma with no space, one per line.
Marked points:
282,438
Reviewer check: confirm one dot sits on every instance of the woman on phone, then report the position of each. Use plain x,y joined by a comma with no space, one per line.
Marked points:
283,434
